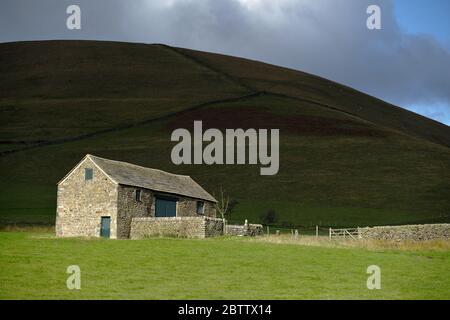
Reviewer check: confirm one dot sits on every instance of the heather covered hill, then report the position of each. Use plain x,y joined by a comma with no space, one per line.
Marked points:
304,86
346,159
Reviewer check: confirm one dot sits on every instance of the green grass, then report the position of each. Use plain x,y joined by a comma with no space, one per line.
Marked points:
33,266
45,97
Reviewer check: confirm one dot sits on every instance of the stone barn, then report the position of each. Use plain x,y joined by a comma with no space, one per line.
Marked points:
113,199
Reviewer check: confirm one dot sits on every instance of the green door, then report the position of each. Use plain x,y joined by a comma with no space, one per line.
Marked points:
165,208
104,227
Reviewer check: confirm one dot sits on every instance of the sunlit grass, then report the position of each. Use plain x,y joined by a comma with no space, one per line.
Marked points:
373,245
33,266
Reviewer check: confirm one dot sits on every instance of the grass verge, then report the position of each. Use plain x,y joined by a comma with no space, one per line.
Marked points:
34,267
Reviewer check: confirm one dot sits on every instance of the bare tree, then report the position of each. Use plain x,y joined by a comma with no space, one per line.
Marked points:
222,203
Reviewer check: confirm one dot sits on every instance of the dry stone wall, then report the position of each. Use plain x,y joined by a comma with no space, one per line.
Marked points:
244,230
213,227
234,230
408,232
255,230
180,227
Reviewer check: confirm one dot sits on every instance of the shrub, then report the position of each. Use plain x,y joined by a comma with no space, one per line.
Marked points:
270,217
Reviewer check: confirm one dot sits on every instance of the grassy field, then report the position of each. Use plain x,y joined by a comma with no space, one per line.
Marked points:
33,266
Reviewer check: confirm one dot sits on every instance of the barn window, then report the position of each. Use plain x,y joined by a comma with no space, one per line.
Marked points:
88,174
200,207
137,195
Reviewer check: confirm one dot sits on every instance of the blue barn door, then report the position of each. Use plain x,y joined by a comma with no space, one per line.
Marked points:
165,208
105,227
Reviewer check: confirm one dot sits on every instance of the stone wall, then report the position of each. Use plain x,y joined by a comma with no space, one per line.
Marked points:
255,230
408,232
187,207
129,207
180,227
244,230
213,227
235,230
188,227
81,203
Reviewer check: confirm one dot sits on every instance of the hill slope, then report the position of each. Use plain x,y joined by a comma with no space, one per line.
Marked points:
345,158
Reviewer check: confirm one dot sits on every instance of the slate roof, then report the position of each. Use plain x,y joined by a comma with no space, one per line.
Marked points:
157,180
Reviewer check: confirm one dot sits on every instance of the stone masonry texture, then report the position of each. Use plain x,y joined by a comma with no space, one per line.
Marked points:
81,203
244,230
408,232
179,227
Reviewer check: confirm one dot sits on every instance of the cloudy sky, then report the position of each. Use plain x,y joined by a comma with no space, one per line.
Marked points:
407,62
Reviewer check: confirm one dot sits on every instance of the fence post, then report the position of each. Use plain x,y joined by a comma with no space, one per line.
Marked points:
317,232
329,232
268,231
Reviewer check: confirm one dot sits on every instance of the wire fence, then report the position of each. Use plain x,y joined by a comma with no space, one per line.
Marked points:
331,232
318,231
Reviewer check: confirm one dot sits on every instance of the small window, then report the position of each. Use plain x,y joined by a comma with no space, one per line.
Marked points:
88,174
200,207
137,195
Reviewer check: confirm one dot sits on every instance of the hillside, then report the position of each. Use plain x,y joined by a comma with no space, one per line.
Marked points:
346,158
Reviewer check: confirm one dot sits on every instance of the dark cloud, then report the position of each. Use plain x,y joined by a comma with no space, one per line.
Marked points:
324,37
